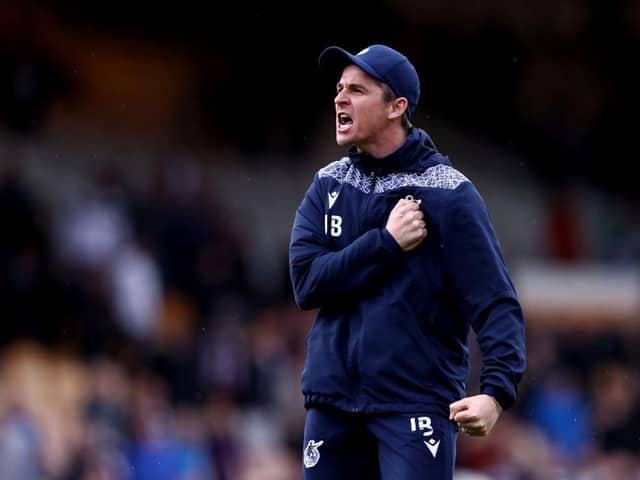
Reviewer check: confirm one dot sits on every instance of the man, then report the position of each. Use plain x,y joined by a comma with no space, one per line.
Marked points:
396,249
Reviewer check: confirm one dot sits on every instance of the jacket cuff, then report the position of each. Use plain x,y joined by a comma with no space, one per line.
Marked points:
389,243
502,397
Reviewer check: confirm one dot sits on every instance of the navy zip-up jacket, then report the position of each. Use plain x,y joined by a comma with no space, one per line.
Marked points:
391,331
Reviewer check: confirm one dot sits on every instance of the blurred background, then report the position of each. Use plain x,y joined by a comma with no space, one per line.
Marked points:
152,157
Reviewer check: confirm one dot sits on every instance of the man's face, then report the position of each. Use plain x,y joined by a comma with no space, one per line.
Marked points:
361,112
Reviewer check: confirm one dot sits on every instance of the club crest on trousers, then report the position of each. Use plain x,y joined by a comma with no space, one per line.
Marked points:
312,454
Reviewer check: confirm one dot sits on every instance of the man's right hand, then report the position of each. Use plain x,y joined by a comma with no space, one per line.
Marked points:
406,224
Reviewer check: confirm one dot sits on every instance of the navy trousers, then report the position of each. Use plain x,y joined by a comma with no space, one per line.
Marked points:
399,446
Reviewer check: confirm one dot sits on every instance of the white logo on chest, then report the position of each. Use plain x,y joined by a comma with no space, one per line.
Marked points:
333,196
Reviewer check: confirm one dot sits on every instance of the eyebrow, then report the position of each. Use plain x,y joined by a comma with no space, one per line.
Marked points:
351,86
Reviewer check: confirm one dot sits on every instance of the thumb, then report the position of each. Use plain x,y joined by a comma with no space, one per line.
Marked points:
457,407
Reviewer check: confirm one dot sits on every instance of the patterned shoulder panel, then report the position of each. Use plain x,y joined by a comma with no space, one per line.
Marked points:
438,176
343,171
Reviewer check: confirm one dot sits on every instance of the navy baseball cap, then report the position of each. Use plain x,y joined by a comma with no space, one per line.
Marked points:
381,62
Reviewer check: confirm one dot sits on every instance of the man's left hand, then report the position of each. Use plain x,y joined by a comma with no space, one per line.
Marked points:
475,415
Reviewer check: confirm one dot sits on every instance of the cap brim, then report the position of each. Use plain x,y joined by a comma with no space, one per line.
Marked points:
332,61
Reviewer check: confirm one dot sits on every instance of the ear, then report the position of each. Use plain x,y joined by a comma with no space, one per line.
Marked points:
397,108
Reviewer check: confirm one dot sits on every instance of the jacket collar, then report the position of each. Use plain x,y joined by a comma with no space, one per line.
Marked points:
416,154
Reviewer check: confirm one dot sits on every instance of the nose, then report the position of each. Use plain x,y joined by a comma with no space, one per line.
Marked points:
341,98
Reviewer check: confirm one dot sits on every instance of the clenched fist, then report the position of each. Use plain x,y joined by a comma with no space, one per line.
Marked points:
406,224
475,415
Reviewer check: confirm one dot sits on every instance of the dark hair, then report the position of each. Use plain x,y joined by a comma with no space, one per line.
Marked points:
388,95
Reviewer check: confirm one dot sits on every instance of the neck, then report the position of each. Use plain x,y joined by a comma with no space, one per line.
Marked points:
387,143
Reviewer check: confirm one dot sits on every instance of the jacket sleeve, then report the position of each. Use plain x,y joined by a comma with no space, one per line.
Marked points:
320,276
485,293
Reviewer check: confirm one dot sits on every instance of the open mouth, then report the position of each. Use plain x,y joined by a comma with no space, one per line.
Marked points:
344,121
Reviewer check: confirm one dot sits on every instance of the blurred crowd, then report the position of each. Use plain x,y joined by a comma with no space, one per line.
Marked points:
132,345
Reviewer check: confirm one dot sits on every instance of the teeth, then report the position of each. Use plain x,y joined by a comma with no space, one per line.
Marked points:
344,118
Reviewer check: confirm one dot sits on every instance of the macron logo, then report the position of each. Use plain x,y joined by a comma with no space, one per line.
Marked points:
432,445
333,196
